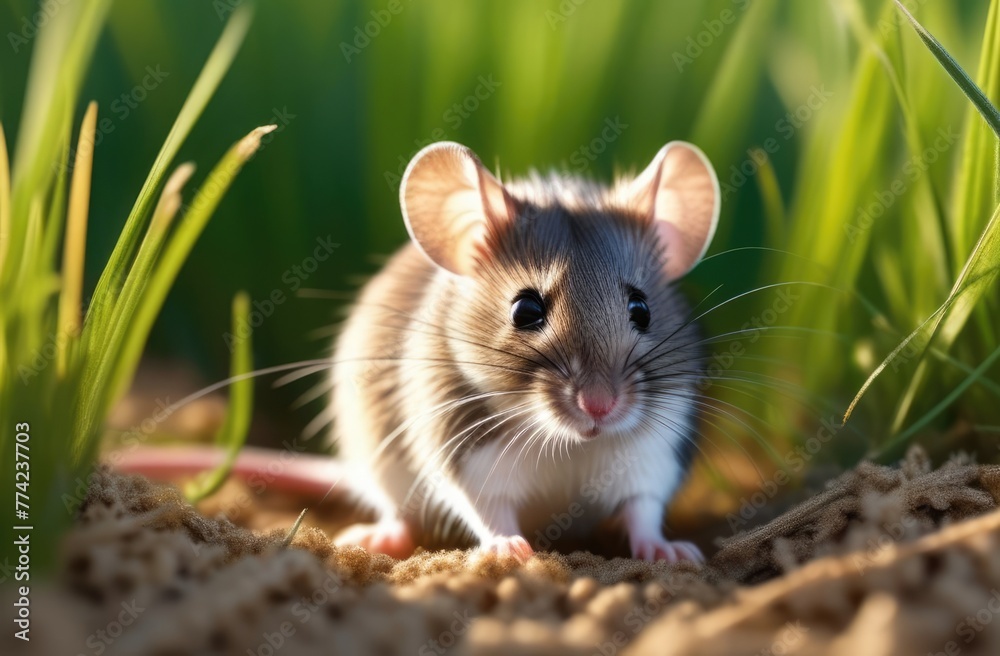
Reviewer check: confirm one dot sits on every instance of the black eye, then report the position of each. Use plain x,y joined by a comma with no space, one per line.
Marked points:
528,310
638,311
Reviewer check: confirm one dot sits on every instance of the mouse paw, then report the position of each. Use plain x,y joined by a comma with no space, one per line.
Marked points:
390,537
652,549
508,545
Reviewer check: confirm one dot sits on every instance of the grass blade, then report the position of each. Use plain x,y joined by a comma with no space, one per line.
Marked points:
4,199
975,186
76,234
234,431
62,52
886,362
142,268
943,404
32,244
58,200
770,193
945,323
294,529
957,73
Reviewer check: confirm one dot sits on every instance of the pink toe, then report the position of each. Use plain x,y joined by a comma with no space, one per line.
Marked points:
658,548
389,537
509,545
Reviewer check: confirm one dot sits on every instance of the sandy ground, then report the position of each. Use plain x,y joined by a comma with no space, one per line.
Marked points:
886,561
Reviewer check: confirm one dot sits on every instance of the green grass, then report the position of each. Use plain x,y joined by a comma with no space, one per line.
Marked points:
979,272
234,431
64,366
869,217
936,335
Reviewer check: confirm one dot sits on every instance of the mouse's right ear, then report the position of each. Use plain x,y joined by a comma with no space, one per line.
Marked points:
449,202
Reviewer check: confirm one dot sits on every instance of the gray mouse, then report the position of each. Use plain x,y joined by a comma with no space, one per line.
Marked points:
528,358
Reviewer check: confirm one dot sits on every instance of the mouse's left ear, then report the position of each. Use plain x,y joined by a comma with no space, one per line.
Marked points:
679,191
450,203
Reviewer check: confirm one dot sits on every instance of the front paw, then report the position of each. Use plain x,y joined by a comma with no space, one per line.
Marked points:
508,545
652,549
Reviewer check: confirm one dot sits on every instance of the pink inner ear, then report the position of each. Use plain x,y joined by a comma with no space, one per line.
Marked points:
679,252
465,238
679,192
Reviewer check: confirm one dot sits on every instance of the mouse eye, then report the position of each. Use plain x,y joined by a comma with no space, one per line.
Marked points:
528,310
638,311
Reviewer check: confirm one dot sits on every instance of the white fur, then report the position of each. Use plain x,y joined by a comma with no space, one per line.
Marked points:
600,475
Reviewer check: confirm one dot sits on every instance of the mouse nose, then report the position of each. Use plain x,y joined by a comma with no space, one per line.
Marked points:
596,402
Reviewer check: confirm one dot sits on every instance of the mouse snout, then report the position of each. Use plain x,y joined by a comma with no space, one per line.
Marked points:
597,401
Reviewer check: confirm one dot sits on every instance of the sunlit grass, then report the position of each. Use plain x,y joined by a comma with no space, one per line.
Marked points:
234,431
861,213
977,276
63,365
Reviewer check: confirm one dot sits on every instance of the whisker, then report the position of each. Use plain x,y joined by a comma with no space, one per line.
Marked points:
706,407
194,396
538,426
730,300
702,380
325,332
319,422
790,390
821,267
503,452
327,294
303,373
319,389
663,419
443,332
435,462
547,439
438,410
317,368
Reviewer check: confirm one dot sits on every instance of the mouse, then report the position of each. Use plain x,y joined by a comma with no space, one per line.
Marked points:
528,360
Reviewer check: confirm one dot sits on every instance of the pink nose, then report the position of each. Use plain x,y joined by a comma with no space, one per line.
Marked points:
597,403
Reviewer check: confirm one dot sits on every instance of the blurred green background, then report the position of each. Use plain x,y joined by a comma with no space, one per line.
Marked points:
531,84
